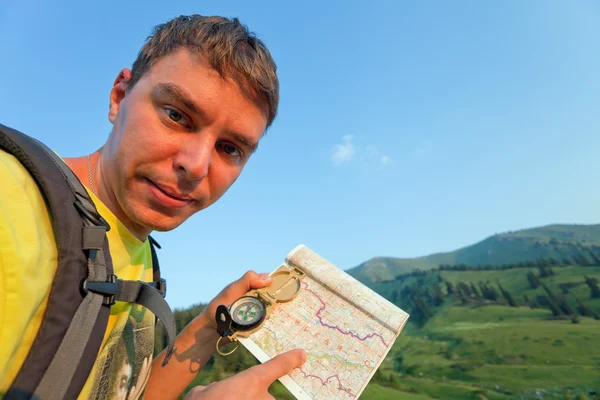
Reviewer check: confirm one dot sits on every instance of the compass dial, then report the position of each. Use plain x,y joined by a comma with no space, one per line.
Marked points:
247,312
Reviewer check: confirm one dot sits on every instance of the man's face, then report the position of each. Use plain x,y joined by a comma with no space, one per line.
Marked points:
180,139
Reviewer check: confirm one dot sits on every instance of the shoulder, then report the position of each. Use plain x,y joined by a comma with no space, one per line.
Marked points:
23,210
27,263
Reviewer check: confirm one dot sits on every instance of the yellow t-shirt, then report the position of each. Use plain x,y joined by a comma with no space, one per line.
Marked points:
27,266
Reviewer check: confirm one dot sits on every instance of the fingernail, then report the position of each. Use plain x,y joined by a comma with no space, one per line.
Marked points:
304,356
265,276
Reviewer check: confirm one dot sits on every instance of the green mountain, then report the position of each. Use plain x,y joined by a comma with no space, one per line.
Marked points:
552,241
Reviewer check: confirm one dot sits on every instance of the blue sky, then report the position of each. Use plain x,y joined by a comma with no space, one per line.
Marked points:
405,128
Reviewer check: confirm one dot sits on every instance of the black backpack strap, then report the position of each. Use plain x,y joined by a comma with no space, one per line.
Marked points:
159,283
70,335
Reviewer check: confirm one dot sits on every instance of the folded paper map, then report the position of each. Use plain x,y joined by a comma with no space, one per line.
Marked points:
346,329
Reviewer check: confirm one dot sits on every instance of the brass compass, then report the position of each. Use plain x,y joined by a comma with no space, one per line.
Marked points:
247,314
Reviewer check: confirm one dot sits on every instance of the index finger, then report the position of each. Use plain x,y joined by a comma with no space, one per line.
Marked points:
278,366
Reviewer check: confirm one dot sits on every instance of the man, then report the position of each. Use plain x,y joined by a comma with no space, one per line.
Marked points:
186,118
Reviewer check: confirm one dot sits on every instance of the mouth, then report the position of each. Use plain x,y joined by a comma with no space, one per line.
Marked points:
167,197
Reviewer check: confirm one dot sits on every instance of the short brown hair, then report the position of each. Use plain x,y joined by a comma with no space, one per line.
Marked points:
227,46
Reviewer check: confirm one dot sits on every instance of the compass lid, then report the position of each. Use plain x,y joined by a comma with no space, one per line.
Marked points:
285,284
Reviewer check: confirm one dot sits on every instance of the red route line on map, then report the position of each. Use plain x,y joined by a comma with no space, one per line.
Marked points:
340,387
337,328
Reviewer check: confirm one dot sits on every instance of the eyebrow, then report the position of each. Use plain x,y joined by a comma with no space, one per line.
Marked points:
250,144
179,94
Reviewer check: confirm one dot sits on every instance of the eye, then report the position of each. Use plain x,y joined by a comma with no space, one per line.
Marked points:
230,150
174,115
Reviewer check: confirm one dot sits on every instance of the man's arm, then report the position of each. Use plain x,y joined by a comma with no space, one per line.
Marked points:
196,344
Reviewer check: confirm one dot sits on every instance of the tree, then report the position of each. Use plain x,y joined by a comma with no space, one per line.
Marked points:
378,377
494,293
550,294
463,296
595,259
585,310
556,311
394,296
464,288
542,262
397,362
566,307
553,302
405,292
450,287
489,293
421,312
394,383
509,299
532,303
438,295
594,290
533,280
582,260
429,295
545,270
475,292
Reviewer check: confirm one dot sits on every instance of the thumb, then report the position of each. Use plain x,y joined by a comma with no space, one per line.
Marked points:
278,366
252,280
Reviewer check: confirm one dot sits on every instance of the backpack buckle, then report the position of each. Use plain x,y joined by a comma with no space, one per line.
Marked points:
161,286
108,289
94,217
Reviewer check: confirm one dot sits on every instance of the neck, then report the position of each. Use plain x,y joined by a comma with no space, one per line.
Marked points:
92,178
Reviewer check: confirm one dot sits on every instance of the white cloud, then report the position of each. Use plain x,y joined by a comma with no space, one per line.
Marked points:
374,156
343,153
385,160
347,151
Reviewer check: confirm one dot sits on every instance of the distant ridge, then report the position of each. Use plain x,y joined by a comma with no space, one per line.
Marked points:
557,240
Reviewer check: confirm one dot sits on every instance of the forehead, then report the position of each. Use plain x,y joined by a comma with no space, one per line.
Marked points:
203,84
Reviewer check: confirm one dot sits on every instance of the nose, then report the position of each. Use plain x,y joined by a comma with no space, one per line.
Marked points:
193,160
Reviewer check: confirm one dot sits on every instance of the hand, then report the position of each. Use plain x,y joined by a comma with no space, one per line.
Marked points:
252,383
235,290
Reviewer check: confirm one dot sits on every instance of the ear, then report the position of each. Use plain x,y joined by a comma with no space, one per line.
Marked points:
117,93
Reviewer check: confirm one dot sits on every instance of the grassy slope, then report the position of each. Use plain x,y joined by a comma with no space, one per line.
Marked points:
500,351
